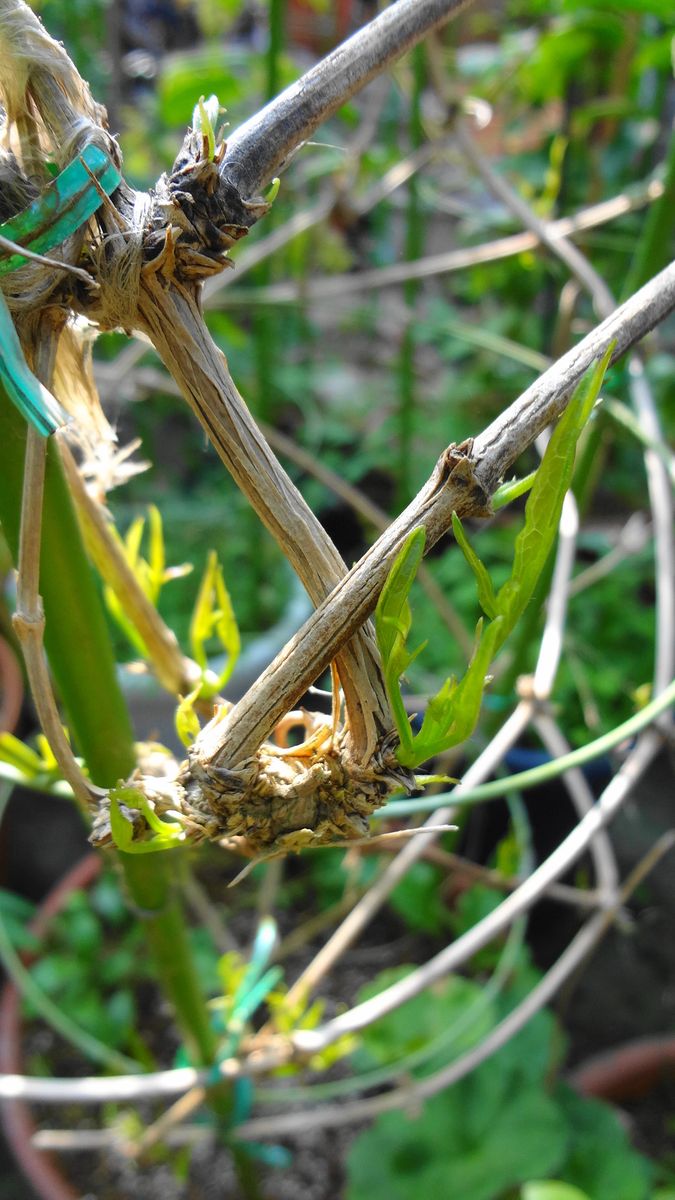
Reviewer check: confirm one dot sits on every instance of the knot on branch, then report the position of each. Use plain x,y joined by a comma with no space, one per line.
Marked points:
206,213
281,800
456,467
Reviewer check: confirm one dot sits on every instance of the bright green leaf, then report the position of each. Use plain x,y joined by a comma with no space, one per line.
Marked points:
392,626
19,755
168,834
204,117
132,540
511,491
451,714
544,504
186,719
551,1190
486,594
213,615
157,557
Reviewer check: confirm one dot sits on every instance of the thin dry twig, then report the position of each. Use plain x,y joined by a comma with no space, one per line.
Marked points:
153,379
658,482
29,620
410,1095
582,797
370,904
330,287
260,148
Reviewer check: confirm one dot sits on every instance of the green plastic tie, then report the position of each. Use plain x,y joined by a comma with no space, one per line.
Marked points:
256,984
33,400
64,206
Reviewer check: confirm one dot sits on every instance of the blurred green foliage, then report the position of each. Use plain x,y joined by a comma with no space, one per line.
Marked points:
498,1127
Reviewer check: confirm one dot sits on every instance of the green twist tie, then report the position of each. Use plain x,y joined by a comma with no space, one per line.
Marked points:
64,206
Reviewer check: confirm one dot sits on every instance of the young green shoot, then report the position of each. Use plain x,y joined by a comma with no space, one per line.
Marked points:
451,715
167,835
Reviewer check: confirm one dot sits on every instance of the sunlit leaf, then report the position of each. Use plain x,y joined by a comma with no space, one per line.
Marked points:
392,626
551,1189
186,719
451,714
17,754
167,834
204,117
213,616
156,553
544,504
486,593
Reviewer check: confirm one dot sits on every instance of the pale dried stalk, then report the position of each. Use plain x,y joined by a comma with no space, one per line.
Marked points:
410,1095
375,516
460,951
218,291
370,904
661,499
581,795
153,379
260,148
172,319
93,1090
535,695
658,482
131,1088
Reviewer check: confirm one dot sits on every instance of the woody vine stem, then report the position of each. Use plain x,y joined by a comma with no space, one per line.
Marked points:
147,257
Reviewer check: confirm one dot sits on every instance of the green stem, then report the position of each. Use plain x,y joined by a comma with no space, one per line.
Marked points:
497,788
76,636
151,880
81,660
653,249
414,245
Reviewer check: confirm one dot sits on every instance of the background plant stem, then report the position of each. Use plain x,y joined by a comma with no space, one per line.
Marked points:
654,246
414,248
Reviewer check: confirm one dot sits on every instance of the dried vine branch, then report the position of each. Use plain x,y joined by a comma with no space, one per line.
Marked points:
259,149
462,481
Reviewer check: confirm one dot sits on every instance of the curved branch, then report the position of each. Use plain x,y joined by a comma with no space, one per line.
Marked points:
259,149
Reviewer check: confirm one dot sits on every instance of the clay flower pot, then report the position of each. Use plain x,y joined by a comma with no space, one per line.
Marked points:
626,1072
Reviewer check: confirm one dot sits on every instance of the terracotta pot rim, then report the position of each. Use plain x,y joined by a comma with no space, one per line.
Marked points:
40,1168
627,1071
